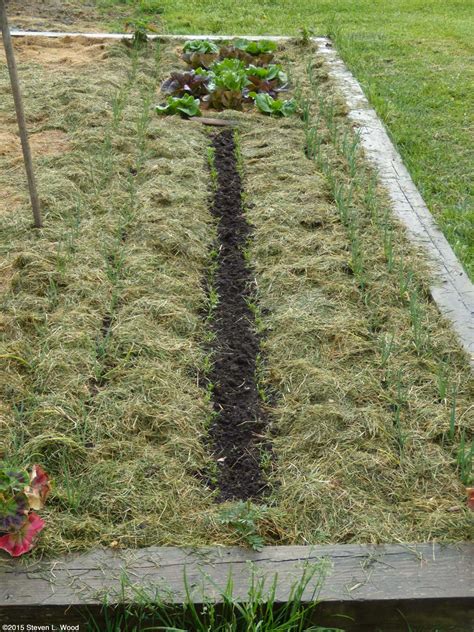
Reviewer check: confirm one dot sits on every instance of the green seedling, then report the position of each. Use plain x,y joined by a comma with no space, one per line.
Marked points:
388,247
416,316
452,413
443,381
387,348
275,107
465,460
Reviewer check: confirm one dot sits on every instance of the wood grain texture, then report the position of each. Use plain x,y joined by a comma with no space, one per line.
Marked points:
430,584
216,122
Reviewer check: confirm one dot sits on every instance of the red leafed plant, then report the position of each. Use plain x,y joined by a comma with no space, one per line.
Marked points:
20,494
470,497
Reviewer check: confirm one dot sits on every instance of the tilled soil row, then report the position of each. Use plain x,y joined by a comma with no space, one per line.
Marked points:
236,433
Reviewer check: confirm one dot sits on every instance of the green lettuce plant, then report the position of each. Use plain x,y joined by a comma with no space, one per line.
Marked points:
226,86
200,53
269,79
275,107
186,106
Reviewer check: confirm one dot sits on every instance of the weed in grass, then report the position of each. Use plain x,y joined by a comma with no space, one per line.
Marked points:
140,28
244,518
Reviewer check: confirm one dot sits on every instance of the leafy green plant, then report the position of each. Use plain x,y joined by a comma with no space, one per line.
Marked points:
260,53
276,107
270,72
243,518
269,79
229,74
186,105
200,53
259,47
20,494
231,52
226,86
200,46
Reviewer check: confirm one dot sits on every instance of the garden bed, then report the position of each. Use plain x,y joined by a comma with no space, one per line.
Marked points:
108,340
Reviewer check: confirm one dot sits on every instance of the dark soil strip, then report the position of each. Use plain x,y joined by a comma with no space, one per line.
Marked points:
236,433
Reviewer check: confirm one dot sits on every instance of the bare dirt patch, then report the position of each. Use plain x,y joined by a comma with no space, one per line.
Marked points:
47,143
65,51
10,200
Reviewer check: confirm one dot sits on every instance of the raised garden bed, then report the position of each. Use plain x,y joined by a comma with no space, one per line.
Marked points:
351,402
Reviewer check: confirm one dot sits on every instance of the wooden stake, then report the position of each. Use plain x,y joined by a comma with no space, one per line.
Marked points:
20,115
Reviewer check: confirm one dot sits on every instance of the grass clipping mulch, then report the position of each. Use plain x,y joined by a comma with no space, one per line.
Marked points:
102,335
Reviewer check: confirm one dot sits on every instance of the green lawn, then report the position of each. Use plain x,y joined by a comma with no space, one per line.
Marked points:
414,60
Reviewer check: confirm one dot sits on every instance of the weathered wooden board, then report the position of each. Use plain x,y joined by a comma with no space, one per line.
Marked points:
215,122
379,587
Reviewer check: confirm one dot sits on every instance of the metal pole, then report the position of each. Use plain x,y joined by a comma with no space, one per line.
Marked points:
20,115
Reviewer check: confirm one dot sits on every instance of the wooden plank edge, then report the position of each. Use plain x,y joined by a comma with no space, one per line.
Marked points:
428,584
215,122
